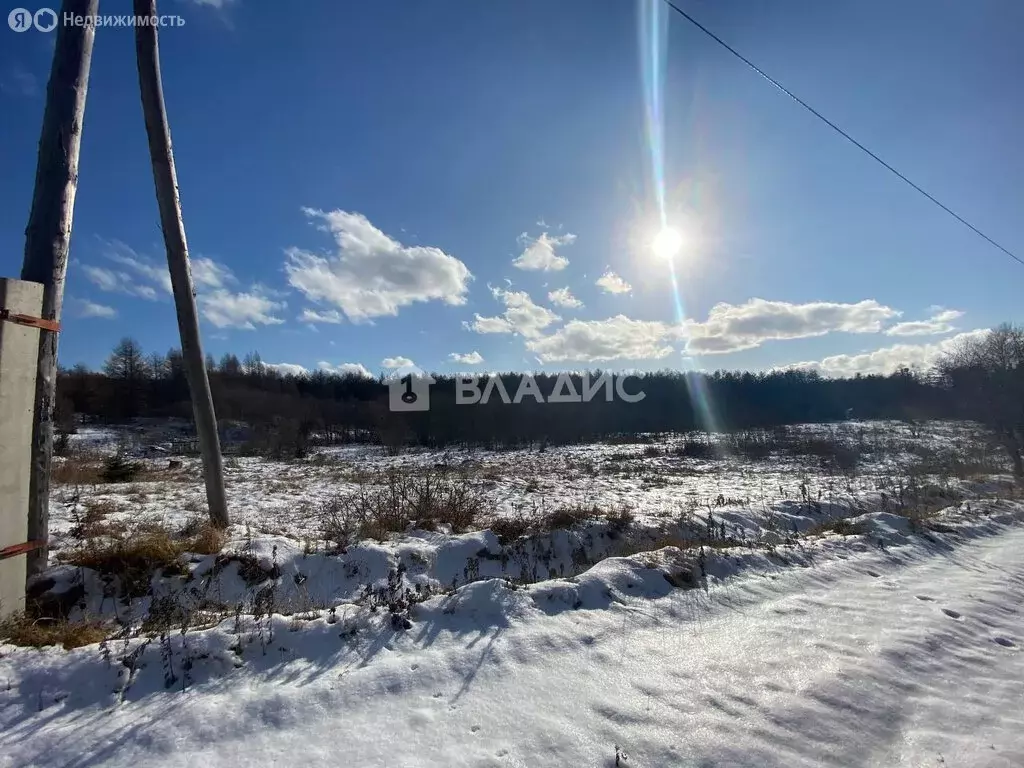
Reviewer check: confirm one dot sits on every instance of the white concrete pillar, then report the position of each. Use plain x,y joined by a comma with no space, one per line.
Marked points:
19,348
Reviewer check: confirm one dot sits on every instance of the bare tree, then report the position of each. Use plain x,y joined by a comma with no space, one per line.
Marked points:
988,373
166,181
128,368
48,239
127,361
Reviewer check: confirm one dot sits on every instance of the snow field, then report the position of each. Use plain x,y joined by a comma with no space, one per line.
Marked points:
886,648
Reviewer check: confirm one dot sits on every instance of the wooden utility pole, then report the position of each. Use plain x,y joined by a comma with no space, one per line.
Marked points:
48,238
148,56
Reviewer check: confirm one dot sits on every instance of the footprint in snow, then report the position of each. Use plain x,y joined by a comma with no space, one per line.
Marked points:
1004,641
925,598
951,613
873,575
475,728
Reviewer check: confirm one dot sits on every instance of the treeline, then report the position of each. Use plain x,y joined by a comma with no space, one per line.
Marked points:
289,411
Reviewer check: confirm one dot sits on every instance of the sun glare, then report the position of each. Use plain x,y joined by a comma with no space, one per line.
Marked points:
667,243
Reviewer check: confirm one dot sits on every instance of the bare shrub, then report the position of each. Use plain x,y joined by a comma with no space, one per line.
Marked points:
452,502
88,520
383,510
339,523
394,502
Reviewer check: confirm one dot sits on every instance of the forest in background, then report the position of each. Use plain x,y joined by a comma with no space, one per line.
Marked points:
290,410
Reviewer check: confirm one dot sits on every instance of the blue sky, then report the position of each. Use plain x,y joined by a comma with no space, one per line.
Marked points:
365,182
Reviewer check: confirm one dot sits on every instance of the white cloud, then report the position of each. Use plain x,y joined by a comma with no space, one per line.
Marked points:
539,253
489,325
223,308
732,327
563,297
371,274
471,358
209,274
356,369
287,369
521,316
616,338
245,311
328,316
610,282
940,322
86,308
397,362
114,281
887,359
155,274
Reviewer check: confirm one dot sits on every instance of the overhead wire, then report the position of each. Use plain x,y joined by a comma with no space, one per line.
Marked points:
840,131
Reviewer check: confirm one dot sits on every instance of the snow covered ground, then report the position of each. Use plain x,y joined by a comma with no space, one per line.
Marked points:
835,615
652,479
888,648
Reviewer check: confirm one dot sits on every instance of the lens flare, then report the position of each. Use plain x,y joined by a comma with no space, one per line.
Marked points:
653,42
653,30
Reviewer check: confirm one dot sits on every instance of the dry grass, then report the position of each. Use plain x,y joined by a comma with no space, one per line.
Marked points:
209,541
510,528
89,469
77,471
135,552
82,469
38,633
567,517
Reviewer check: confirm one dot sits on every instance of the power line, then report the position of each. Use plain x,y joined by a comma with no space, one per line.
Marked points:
837,129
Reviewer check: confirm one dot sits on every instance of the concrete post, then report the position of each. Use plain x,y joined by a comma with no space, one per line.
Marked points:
19,348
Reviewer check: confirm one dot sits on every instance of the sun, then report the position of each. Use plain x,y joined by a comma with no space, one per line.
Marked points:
667,243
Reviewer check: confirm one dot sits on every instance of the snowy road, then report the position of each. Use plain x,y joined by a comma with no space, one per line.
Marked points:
909,659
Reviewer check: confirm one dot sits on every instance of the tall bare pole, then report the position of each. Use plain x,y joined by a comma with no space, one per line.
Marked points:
148,55
48,238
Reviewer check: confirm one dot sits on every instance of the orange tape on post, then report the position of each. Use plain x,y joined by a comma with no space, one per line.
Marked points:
20,549
29,321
